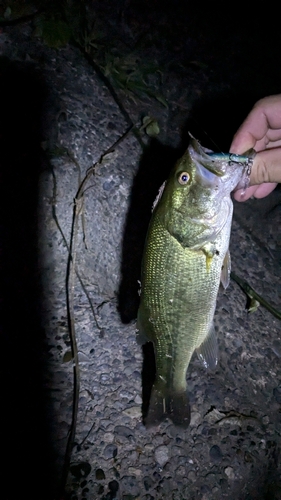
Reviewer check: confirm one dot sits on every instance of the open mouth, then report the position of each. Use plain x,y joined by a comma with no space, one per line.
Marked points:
208,170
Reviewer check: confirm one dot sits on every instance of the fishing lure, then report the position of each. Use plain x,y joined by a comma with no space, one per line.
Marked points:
245,160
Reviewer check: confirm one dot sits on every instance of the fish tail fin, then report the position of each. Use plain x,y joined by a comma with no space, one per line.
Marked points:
166,402
207,352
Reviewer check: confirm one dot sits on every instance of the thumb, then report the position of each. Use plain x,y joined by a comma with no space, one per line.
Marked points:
242,141
266,167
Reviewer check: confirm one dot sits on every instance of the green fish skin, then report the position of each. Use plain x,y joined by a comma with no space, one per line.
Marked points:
185,257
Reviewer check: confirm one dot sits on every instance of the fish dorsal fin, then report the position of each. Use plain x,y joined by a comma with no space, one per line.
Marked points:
225,270
207,352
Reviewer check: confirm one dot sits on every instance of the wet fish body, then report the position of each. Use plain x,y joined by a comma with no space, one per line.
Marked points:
185,257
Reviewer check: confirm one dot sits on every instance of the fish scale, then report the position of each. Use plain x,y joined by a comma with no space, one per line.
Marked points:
186,249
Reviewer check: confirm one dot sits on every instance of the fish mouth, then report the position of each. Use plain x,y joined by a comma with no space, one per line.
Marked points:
207,168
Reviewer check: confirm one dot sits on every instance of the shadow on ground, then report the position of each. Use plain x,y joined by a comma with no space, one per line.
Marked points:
28,446
154,168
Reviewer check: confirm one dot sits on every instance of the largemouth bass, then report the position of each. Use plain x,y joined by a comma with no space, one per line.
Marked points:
185,257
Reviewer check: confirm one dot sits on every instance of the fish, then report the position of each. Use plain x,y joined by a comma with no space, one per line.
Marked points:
186,255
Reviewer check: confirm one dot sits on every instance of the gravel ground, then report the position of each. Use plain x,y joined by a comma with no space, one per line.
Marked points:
231,449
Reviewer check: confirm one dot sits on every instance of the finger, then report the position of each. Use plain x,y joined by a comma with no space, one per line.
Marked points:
266,167
269,140
252,130
243,195
266,173
264,189
256,191
242,141
265,115
272,139
273,135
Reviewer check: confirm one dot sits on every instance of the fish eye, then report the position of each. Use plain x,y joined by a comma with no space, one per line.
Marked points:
183,178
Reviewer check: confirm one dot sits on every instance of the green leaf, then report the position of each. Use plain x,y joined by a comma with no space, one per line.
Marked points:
253,306
161,99
151,126
67,357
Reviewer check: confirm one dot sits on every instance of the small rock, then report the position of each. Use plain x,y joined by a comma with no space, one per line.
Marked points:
104,423
229,472
110,451
148,447
83,358
162,455
108,437
104,378
133,412
148,483
138,399
215,453
134,471
107,185
195,419
213,416
126,395
191,476
124,431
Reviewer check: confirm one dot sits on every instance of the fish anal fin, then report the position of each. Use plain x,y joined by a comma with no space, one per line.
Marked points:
141,332
165,402
207,352
225,271
140,336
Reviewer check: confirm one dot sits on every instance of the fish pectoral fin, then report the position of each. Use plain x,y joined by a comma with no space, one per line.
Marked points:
165,402
207,352
225,270
209,250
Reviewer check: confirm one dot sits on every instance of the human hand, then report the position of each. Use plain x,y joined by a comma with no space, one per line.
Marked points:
262,131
